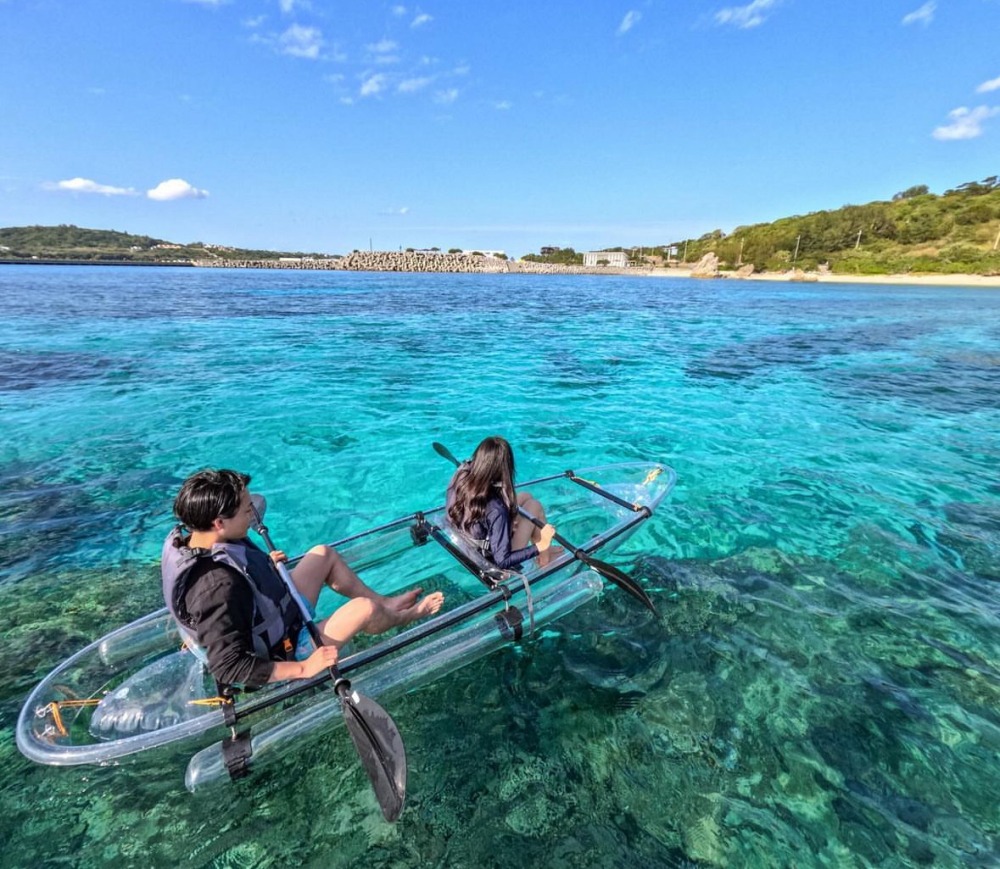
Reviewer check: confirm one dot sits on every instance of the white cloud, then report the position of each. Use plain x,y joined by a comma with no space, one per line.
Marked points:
373,85
397,212
384,46
289,6
382,51
85,185
631,18
255,22
299,41
987,86
745,17
965,123
421,20
502,105
412,85
175,188
210,3
399,11
446,97
462,69
924,15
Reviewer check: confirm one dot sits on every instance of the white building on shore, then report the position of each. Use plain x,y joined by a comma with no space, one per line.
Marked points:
616,258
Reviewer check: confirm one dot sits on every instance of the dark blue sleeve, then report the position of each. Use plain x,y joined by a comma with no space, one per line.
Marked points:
498,530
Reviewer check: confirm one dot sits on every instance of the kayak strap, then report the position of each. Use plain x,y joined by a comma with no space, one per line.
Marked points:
604,493
530,603
509,623
236,748
236,752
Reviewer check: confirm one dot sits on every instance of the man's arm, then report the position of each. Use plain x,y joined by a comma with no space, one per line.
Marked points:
221,608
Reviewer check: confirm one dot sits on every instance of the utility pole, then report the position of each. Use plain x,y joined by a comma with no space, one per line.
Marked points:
997,241
857,244
795,256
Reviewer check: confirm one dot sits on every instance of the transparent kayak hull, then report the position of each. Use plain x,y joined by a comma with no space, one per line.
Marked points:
136,688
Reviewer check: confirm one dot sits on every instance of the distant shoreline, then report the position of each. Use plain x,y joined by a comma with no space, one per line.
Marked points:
518,267
86,262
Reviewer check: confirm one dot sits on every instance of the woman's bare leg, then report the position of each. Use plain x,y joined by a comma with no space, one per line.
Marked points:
523,531
526,531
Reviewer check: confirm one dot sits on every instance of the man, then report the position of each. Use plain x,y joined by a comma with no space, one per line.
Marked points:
227,596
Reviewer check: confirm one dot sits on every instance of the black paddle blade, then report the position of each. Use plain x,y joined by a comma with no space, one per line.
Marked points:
622,580
380,747
445,453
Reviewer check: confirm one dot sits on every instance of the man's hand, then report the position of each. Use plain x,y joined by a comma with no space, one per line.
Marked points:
322,659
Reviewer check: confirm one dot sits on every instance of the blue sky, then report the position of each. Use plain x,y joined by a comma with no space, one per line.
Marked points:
329,125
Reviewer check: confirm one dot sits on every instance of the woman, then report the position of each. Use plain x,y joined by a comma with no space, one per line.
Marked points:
482,507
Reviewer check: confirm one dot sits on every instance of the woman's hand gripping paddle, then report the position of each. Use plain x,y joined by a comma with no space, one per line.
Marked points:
374,734
608,571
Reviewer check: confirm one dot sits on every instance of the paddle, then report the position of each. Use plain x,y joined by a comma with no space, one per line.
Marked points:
608,571
374,734
445,453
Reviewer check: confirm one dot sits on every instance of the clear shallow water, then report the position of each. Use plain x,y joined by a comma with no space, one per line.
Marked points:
824,688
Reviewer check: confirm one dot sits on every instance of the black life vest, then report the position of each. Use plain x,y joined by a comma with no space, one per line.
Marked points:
276,614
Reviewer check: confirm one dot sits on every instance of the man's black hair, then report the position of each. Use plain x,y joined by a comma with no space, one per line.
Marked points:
209,495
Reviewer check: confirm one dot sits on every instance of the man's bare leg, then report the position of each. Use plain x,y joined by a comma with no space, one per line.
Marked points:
323,565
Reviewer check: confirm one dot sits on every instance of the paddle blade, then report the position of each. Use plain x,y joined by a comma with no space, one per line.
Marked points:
380,747
622,580
445,453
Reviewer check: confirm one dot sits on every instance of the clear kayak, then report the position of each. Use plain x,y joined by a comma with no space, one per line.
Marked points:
138,687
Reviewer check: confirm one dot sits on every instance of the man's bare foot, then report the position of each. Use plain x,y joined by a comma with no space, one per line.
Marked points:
427,606
403,601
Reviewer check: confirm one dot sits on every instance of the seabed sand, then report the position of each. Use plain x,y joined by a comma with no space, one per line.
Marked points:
826,278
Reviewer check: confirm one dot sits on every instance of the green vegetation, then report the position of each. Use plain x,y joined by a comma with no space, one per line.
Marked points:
75,244
565,256
917,231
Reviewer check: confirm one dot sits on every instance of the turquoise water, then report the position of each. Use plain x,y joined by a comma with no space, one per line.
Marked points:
823,690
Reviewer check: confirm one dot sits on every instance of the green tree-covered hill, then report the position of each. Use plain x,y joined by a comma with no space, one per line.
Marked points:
76,244
917,231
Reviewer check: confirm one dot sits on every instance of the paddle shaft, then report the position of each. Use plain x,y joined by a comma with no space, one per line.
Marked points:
293,590
373,732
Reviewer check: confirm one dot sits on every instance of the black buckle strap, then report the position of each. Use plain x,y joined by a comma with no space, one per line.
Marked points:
509,623
236,752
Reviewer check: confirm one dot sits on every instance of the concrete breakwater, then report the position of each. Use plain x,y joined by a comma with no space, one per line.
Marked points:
415,261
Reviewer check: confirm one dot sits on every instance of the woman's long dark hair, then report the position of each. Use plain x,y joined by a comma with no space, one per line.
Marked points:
488,474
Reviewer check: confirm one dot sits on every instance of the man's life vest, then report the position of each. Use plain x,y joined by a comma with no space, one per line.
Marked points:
275,612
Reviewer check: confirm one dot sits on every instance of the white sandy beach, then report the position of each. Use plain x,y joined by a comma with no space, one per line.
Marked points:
815,277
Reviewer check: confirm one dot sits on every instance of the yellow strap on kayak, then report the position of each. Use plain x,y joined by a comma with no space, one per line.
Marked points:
652,475
53,709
